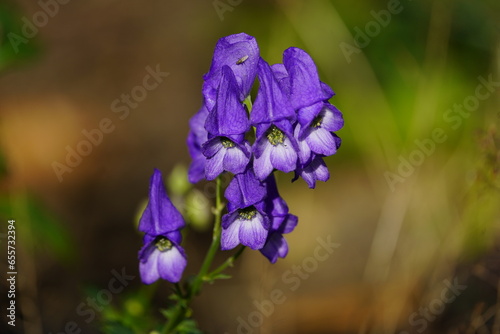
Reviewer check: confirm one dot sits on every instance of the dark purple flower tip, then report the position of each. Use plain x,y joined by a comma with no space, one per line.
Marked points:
241,53
271,104
228,117
223,154
245,190
275,246
305,87
314,171
274,149
248,226
275,205
162,258
160,216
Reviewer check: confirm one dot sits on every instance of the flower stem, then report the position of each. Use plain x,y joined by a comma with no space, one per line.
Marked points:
181,308
198,281
228,263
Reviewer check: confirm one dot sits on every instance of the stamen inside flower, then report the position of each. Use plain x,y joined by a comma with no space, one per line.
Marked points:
316,123
163,244
275,136
227,143
247,213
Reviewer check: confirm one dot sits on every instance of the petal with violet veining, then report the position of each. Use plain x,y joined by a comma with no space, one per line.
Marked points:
230,234
321,142
171,264
149,268
235,160
214,166
284,157
252,232
262,165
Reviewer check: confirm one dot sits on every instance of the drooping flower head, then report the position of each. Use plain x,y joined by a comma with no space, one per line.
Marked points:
161,256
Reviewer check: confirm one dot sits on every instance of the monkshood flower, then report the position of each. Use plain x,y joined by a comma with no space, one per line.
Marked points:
241,53
272,115
246,221
313,170
318,137
282,222
226,123
161,256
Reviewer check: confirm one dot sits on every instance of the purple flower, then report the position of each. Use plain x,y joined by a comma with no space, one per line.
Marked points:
197,136
224,154
241,53
248,226
274,148
314,170
246,222
317,136
305,87
226,123
161,256
281,223
276,245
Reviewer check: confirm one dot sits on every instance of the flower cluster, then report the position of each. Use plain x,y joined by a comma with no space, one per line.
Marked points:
289,128
293,127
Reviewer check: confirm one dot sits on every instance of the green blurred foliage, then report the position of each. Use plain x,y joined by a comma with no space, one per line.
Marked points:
13,52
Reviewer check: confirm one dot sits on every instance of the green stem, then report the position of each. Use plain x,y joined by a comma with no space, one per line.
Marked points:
182,305
228,263
198,281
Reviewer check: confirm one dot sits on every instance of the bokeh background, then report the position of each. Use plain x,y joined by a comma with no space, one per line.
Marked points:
409,235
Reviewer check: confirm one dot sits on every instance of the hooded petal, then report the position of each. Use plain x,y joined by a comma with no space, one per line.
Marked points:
271,104
245,190
241,53
228,117
160,215
305,87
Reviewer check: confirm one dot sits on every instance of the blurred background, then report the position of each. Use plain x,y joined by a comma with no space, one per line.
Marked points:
412,206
